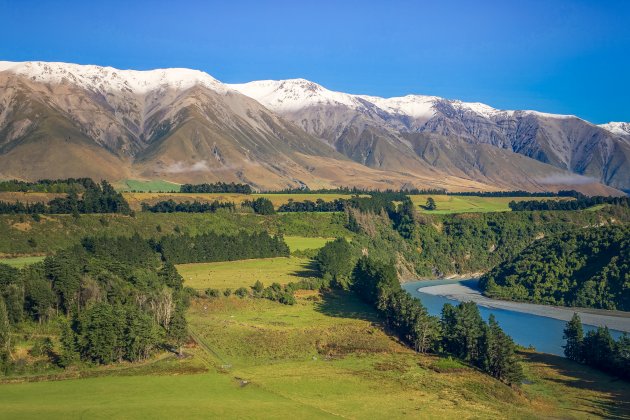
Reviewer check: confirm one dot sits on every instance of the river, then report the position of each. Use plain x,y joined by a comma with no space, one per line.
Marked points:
539,326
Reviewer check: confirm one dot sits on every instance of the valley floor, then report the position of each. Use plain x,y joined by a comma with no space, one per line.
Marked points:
326,356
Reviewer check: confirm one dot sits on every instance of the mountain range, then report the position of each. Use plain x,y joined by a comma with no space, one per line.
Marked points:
182,125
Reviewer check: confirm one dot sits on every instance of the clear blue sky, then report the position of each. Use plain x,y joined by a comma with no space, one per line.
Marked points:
559,56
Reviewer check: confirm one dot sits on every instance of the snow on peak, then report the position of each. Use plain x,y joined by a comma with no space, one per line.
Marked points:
293,94
99,78
621,128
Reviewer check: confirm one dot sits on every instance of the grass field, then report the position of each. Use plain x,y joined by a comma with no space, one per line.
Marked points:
235,274
20,262
302,243
447,204
326,356
148,186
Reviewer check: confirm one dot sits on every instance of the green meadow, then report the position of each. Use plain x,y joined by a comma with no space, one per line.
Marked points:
448,204
234,274
19,262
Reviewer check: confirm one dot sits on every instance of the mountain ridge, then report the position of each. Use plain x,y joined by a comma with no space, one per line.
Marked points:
185,125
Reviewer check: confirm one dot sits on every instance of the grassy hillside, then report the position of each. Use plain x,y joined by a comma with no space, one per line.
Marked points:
325,356
232,275
148,186
448,204
20,234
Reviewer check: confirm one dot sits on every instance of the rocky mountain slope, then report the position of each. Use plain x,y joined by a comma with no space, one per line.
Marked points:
60,120
346,121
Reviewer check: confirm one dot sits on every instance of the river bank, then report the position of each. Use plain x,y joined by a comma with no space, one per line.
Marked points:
467,291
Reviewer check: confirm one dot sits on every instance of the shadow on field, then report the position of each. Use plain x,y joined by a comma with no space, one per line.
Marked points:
340,304
310,270
578,376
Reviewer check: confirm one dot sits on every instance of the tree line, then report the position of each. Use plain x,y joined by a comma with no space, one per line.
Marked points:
218,187
460,331
579,203
47,185
597,348
170,206
582,267
317,206
210,247
95,198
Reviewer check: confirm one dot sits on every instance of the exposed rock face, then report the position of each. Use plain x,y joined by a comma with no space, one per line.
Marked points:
346,121
60,120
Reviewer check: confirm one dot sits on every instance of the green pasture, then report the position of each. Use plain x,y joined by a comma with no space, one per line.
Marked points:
19,262
244,273
448,204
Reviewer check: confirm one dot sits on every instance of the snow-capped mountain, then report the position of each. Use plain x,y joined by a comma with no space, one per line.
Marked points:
59,120
620,128
352,123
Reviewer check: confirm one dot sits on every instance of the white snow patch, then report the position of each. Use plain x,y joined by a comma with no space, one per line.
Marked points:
99,79
621,128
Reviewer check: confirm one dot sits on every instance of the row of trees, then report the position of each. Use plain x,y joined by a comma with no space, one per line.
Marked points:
218,187
261,205
317,206
116,300
582,267
171,206
579,203
47,185
95,198
209,247
460,332
597,348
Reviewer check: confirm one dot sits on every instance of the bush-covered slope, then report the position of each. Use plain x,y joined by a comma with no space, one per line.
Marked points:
586,267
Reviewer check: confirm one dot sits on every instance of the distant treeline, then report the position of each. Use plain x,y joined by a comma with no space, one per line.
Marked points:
519,193
171,206
427,191
94,199
460,332
47,185
582,267
218,187
580,203
597,348
317,206
210,247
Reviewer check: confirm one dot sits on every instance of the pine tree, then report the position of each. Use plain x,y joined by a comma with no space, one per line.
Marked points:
574,335
178,330
5,335
69,354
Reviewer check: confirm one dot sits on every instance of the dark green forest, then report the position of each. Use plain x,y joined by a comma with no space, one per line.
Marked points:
211,247
114,299
582,267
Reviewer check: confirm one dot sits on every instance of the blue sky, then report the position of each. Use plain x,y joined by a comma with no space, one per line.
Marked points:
570,57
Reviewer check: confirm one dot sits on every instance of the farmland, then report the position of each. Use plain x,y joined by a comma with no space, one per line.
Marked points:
235,274
448,204
325,356
148,186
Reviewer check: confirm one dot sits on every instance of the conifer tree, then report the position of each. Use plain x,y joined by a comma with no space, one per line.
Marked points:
574,335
